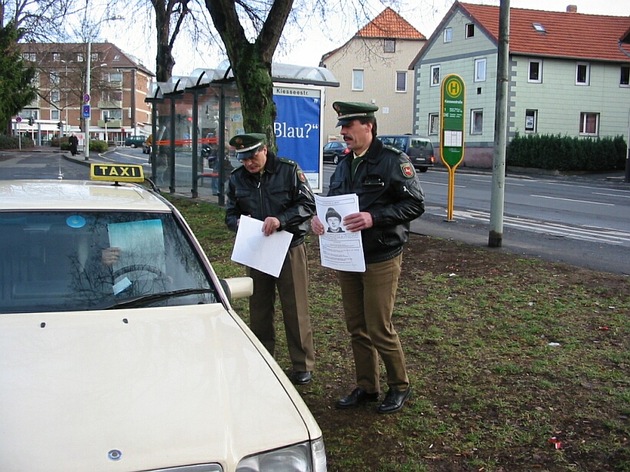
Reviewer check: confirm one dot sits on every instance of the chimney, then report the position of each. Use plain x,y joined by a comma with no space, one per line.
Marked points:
571,8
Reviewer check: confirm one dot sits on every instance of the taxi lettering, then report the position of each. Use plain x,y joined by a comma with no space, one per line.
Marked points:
117,172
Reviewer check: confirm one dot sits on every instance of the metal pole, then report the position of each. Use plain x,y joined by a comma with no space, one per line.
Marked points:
497,198
86,146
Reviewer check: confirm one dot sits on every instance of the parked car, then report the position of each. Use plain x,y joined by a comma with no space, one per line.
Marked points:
334,151
418,148
135,141
119,347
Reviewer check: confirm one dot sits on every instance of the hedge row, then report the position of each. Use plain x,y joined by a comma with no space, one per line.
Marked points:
567,153
12,142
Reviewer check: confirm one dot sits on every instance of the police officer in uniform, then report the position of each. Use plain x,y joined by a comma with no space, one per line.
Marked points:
276,192
390,197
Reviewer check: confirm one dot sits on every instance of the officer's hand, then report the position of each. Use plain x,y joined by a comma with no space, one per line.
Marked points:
317,226
358,221
270,225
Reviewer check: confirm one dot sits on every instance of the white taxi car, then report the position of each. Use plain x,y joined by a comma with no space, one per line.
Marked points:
119,350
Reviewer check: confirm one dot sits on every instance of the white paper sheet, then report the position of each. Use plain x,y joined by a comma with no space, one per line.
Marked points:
253,249
342,250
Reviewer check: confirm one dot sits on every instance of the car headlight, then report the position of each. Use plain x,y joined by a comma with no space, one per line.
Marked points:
305,457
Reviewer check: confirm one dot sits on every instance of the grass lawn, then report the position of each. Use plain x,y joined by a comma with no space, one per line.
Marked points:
516,364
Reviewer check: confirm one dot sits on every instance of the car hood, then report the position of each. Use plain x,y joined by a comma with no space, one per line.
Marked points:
163,386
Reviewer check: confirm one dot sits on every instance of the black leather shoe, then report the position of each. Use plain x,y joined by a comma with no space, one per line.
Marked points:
394,400
301,378
357,397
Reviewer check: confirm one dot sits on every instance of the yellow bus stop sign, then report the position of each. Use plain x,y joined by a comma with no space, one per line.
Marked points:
453,93
452,120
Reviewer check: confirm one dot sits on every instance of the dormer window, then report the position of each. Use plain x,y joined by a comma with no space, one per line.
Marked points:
538,27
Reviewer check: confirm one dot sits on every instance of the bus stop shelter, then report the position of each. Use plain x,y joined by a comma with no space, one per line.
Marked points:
193,118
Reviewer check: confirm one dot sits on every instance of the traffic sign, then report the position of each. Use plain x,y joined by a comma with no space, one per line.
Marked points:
86,98
18,119
86,111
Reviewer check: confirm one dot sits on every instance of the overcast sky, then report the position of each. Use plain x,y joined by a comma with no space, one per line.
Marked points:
307,48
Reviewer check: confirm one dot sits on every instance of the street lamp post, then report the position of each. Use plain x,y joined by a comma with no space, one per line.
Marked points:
86,142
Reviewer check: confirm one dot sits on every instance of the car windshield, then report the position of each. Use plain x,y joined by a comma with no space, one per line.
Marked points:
77,261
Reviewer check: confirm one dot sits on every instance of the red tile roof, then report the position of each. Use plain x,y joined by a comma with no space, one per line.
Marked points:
390,25
571,35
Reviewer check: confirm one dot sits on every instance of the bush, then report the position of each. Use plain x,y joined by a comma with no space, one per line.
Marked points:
566,153
97,145
12,142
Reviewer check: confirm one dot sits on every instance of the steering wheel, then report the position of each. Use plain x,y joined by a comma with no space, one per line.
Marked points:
140,268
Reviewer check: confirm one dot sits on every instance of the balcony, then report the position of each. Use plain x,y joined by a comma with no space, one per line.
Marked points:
110,123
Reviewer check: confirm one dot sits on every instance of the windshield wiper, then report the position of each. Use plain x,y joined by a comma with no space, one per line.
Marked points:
156,297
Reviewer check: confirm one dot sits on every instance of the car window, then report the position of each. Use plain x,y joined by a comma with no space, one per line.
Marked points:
75,261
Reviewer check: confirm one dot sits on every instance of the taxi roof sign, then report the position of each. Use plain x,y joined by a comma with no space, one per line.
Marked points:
117,172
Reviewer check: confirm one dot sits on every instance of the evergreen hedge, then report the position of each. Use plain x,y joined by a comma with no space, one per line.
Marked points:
12,142
566,153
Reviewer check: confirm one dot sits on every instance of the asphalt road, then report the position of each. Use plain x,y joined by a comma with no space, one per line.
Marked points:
542,240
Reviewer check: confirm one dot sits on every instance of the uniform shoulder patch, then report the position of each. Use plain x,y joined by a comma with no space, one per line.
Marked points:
407,170
301,176
392,148
286,160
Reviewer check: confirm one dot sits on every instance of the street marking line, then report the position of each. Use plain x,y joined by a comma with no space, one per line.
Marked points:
572,200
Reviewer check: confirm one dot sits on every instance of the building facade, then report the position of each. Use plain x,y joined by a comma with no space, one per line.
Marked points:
118,86
373,67
568,75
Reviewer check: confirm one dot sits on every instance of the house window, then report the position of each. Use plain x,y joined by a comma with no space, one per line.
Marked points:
29,56
480,70
470,30
624,80
114,77
54,96
54,114
434,123
476,121
531,120
401,81
582,73
448,34
112,96
80,57
534,74
589,124
357,79
54,78
56,57
389,45
435,76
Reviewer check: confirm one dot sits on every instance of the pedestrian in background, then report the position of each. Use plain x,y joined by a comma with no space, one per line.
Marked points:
74,143
275,191
390,197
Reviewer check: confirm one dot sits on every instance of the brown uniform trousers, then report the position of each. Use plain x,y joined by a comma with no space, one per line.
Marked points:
368,303
292,285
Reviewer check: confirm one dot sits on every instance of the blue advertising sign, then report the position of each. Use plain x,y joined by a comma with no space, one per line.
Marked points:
297,129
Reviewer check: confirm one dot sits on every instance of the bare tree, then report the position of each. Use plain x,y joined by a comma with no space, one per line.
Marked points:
38,20
170,16
251,61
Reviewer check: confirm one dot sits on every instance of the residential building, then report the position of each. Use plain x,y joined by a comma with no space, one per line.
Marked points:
568,75
373,67
119,84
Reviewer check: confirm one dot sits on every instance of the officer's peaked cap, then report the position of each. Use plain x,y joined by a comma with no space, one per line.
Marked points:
348,111
247,144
